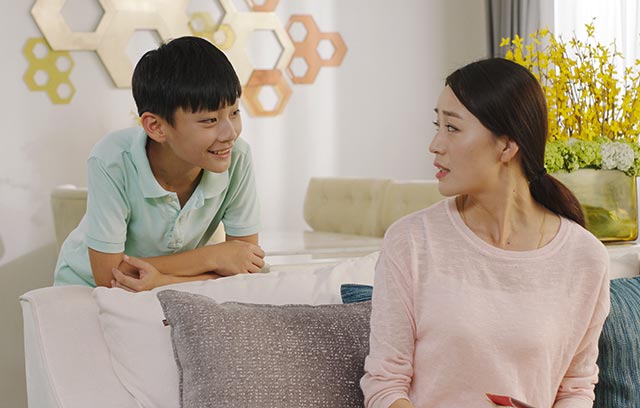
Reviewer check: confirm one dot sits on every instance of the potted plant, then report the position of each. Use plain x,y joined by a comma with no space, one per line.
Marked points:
594,115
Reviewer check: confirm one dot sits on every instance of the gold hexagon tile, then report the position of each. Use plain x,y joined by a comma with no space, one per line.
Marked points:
49,18
167,17
201,23
55,65
222,36
243,24
257,81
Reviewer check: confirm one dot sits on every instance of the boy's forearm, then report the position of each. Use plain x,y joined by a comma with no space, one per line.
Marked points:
170,279
192,263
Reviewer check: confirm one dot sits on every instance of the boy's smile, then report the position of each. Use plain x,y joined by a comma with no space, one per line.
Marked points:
200,140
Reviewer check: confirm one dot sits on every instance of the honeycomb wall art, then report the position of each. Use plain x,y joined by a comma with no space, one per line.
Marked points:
302,48
48,70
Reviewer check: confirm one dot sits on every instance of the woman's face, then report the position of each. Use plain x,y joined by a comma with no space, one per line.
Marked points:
467,155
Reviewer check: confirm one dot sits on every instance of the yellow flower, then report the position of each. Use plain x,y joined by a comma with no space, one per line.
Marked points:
586,96
517,41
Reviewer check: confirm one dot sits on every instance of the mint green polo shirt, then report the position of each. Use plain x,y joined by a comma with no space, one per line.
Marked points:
128,211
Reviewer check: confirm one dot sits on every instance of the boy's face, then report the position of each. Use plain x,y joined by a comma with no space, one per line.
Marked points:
205,138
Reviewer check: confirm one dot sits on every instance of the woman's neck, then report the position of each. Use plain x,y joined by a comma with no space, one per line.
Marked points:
508,217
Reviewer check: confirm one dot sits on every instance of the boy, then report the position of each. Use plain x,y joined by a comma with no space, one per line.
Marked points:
159,192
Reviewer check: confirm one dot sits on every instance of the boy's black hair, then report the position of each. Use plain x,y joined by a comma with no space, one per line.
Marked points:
188,73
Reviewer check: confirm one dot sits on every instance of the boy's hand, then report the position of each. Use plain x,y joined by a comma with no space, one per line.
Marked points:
148,276
235,257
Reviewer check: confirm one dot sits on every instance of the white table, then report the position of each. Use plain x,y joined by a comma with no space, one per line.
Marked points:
287,249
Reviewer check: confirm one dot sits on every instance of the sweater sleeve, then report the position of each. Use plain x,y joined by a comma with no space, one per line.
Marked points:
389,365
577,387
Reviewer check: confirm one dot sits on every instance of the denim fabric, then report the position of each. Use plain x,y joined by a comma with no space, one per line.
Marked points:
353,292
619,360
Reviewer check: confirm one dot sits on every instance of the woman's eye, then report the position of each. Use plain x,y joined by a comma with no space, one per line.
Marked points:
436,125
451,128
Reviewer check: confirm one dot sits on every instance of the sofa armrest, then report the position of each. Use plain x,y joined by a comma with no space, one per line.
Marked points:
66,359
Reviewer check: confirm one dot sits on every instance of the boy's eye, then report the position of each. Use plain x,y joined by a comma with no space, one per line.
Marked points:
235,112
210,120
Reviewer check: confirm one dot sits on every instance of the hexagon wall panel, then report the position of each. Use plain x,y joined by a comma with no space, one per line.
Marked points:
267,5
260,79
121,18
307,49
243,24
49,72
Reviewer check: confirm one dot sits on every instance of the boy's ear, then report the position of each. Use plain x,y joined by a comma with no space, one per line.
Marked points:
509,149
153,125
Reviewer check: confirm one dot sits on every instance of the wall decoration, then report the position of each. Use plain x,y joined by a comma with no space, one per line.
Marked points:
48,70
257,82
301,58
307,50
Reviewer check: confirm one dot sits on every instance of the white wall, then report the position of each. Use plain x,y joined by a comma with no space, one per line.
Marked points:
369,117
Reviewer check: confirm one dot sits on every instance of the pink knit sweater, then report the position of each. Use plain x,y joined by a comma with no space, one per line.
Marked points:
454,317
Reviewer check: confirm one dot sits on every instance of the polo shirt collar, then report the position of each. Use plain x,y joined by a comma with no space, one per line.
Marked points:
148,184
213,184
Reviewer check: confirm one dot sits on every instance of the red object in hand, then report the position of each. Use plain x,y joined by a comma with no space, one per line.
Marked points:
506,401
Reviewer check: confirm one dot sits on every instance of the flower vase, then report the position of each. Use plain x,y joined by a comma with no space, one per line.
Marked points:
609,202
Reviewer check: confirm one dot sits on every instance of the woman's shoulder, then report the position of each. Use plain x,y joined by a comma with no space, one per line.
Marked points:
582,238
583,247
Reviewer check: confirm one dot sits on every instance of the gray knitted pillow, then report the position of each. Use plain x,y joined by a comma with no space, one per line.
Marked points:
249,355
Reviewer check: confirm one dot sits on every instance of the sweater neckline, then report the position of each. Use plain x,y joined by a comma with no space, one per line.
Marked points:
483,246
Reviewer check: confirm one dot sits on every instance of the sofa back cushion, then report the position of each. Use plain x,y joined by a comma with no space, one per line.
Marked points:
345,205
247,355
619,360
140,346
404,197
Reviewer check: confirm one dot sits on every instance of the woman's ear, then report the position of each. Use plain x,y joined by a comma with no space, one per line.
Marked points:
153,125
509,150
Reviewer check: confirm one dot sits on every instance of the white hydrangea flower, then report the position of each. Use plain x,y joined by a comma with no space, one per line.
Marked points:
616,155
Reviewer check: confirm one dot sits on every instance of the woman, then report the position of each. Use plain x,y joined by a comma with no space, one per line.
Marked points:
498,289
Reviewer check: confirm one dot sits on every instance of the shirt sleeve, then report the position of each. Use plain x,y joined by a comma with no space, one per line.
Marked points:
107,208
577,387
389,365
242,213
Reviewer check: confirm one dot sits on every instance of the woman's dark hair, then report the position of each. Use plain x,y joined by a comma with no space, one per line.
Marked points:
188,73
508,100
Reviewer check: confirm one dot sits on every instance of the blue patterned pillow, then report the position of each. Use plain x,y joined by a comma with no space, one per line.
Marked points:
619,361
353,292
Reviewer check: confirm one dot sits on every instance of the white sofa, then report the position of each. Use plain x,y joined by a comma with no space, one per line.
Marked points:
72,362
68,361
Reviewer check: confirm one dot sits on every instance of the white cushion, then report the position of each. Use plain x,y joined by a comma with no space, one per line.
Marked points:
66,359
140,346
623,262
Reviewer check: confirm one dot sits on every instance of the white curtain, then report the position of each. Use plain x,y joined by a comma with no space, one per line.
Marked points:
617,20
